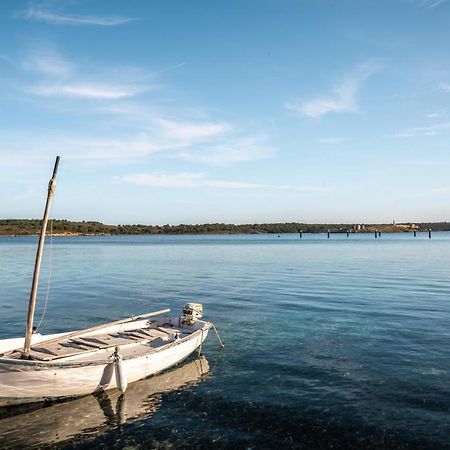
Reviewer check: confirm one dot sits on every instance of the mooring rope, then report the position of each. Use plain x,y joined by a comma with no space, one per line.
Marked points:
218,337
49,273
222,345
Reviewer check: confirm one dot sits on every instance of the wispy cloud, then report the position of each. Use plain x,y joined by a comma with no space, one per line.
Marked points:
431,130
192,137
160,71
85,90
134,129
59,77
231,151
7,60
47,61
444,87
183,180
430,4
191,131
55,18
342,97
113,149
190,180
330,140
202,140
438,190
198,145
434,115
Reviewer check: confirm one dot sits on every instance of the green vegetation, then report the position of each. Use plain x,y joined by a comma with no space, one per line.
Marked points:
19,227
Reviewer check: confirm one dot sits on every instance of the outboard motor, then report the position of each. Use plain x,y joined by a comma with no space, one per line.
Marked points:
191,313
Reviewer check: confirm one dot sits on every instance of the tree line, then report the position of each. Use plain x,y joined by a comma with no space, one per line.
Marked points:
26,227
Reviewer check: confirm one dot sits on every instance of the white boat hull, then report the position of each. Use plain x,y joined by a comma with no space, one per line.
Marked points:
23,381
88,417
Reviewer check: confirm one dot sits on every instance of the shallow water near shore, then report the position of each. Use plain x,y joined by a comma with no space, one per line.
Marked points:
329,343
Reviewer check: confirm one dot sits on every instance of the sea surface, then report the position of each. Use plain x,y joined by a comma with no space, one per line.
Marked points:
339,343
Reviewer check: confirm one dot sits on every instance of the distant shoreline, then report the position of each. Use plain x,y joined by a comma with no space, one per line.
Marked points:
65,228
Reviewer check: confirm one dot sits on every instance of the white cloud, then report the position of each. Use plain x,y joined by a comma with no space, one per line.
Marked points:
430,4
130,147
85,90
189,132
133,147
134,129
343,97
190,180
67,19
202,141
439,190
183,180
431,130
232,151
330,140
444,87
159,71
7,60
59,77
48,62
433,115
124,149
96,149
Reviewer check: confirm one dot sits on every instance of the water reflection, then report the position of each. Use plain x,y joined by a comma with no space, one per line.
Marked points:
31,426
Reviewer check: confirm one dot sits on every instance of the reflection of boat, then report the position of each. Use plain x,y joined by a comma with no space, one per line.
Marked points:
95,414
102,357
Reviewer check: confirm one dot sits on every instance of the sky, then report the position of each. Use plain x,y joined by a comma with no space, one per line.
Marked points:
236,111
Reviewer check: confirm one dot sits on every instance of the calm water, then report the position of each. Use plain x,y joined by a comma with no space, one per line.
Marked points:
330,343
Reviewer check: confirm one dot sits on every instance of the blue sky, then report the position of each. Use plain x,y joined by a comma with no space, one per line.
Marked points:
226,111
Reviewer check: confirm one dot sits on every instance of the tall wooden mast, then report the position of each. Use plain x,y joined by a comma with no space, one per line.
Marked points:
37,265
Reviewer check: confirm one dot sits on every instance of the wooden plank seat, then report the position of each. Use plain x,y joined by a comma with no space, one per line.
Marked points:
138,336
107,340
58,349
147,334
72,344
86,343
167,330
40,356
79,344
127,335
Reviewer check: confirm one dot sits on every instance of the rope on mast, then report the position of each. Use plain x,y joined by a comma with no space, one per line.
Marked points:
49,273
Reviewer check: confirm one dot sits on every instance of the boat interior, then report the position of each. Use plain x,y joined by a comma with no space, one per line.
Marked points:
133,338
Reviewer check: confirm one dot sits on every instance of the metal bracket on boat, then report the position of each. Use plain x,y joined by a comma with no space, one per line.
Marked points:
23,355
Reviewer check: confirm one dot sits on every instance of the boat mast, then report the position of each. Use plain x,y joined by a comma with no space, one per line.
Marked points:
37,265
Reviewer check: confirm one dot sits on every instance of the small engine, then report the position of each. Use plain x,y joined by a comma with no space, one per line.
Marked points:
191,313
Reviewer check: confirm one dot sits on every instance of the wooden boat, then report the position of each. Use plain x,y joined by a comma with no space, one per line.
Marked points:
107,356
92,415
